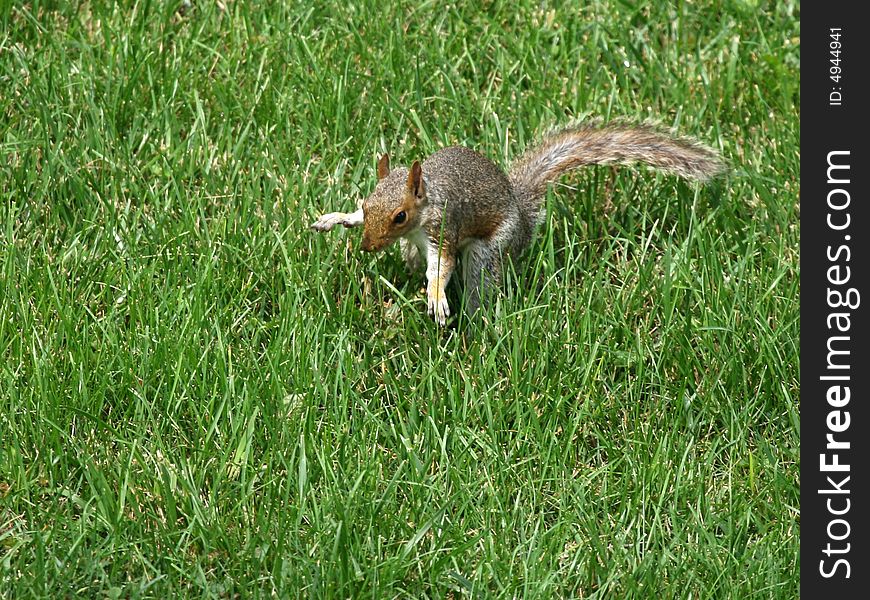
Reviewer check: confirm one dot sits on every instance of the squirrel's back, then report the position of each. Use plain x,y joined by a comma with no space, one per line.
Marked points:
462,173
472,192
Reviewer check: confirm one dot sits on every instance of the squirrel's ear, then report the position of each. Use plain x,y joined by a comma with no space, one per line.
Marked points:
383,166
415,181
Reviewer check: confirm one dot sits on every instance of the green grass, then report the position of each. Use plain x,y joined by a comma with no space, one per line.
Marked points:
200,397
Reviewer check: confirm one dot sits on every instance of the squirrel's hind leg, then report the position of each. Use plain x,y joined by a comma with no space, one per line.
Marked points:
481,270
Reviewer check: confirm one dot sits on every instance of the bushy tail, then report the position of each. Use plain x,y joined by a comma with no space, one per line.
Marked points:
613,143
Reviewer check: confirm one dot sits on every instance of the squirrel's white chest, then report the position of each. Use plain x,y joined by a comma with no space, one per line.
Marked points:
419,238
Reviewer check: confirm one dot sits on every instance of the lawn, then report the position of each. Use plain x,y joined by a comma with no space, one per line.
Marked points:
201,397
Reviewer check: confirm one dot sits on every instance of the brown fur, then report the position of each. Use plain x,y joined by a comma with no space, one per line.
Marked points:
383,166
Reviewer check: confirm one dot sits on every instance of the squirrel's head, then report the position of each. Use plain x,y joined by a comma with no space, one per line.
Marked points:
393,209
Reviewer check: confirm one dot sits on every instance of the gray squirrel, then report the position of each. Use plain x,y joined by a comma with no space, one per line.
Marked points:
459,204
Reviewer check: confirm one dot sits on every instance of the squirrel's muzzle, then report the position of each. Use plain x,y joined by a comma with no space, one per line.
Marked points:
368,245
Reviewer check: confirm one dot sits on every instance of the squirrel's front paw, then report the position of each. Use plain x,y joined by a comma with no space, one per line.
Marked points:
327,221
330,220
439,309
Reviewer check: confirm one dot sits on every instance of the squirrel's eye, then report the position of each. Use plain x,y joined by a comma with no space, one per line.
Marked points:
400,218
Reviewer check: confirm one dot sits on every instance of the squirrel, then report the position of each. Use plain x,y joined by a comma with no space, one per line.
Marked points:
459,204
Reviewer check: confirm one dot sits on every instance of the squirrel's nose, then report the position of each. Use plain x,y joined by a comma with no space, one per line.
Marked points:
366,245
